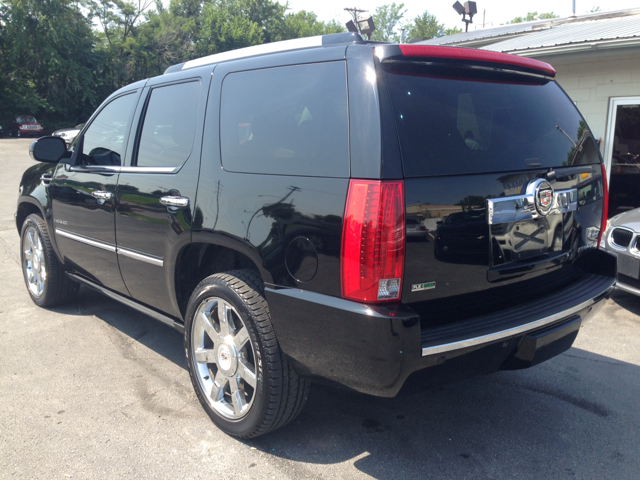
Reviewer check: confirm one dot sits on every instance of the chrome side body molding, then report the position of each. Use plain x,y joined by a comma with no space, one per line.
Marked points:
88,241
115,169
111,248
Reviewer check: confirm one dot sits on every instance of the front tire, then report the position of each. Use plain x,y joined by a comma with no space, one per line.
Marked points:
239,373
44,276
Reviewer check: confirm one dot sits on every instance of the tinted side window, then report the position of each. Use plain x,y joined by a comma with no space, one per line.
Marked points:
169,125
104,139
286,120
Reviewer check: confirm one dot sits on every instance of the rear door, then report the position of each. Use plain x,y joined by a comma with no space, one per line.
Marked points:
494,164
157,189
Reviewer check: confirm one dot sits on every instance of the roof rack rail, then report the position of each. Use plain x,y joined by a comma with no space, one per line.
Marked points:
283,46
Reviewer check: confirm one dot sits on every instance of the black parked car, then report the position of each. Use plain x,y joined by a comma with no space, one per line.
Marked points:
257,201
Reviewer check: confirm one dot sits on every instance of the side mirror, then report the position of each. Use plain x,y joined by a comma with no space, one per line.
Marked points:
48,149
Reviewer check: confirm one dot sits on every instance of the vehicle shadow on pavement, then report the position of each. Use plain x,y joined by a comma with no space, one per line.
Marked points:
573,416
141,328
558,420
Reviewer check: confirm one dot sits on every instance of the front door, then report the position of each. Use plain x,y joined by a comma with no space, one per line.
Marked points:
83,195
156,192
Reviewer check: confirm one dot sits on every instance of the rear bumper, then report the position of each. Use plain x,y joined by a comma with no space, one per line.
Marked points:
374,349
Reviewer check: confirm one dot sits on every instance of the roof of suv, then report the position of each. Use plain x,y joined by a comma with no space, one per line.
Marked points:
386,50
266,48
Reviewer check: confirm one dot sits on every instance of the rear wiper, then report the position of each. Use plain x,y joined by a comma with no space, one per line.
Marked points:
565,134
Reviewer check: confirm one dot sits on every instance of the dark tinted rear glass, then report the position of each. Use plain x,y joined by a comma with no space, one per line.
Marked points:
286,120
450,123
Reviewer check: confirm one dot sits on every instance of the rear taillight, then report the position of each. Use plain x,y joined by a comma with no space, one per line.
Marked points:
605,204
372,262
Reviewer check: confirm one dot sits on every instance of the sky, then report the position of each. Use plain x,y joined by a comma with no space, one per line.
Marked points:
497,11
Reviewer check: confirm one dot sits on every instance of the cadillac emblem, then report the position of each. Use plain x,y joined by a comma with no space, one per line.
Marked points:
543,195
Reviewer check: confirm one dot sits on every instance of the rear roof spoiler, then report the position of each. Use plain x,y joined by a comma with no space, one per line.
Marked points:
465,54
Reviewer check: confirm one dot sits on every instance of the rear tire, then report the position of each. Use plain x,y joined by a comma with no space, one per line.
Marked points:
238,371
44,276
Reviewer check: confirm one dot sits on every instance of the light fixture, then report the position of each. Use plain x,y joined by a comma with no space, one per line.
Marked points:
469,8
366,25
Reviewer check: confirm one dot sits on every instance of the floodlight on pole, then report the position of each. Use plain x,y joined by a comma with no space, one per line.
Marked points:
363,25
469,8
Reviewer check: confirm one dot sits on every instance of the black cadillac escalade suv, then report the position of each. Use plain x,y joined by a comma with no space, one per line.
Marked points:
258,201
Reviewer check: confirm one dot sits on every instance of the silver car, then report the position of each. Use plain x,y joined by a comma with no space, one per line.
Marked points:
622,238
68,134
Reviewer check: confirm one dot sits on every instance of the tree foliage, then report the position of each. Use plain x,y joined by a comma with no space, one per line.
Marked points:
59,59
387,21
531,16
426,26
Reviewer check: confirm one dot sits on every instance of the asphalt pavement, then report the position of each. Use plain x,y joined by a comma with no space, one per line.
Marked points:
98,390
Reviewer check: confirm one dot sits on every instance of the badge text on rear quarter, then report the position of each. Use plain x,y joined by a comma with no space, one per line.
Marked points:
416,287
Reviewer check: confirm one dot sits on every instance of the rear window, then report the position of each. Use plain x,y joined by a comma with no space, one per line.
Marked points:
286,120
451,123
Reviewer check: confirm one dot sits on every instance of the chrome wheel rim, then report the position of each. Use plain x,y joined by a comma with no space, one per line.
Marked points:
223,358
33,260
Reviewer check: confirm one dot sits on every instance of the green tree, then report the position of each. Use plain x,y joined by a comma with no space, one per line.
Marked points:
452,31
387,21
226,25
47,62
304,24
424,27
531,16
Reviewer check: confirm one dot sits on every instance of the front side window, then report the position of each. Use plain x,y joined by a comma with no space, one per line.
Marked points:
104,139
169,125
286,120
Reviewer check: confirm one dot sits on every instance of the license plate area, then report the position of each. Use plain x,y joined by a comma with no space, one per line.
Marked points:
517,241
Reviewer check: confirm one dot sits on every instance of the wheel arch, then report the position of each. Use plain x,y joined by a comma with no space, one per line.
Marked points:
208,254
27,206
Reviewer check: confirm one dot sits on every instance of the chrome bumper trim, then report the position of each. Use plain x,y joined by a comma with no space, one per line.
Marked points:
492,337
627,288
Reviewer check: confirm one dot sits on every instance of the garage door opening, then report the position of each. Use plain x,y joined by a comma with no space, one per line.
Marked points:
624,155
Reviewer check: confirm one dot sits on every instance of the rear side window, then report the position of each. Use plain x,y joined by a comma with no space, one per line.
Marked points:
169,125
286,120
449,123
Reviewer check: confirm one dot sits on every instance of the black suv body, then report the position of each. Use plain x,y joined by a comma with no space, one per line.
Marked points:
257,200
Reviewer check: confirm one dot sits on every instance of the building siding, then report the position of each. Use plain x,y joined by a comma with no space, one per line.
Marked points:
591,84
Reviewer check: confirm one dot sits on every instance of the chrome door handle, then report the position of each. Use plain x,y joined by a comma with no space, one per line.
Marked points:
174,201
102,195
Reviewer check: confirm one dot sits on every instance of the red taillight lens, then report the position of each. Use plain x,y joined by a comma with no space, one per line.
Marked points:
605,204
372,262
